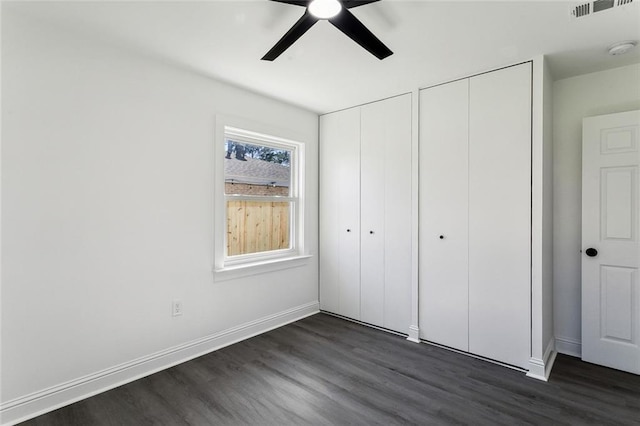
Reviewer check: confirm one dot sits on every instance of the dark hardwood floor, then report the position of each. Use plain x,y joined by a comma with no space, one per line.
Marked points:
324,370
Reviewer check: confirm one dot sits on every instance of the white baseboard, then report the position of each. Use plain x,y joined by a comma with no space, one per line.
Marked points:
37,403
541,368
569,347
414,334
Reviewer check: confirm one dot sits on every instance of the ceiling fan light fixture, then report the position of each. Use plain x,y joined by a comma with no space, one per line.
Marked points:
325,9
338,14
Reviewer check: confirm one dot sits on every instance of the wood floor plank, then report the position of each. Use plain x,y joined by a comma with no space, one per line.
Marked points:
327,371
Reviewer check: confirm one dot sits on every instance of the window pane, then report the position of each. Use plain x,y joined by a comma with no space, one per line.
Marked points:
257,226
256,170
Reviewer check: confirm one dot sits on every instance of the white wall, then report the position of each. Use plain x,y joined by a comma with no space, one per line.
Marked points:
542,341
107,196
547,291
574,98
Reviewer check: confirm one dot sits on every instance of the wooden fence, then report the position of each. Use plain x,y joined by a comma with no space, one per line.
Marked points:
256,226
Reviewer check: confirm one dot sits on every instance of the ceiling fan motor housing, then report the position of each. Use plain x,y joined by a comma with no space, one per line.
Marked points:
338,14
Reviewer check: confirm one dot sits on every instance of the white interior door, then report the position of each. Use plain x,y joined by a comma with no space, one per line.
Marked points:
340,213
444,213
610,222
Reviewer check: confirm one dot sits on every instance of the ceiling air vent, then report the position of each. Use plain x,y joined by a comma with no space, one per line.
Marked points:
581,10
595,6
600,5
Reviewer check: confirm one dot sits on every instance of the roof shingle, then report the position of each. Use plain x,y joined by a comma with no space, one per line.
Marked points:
256,172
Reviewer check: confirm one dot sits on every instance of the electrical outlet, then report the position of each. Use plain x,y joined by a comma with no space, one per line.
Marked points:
176,308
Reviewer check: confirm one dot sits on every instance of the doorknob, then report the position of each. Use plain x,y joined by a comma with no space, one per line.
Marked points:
591,252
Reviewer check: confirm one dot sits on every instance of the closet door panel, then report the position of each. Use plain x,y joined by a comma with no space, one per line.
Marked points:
374,122
340,212
397,214
500,214
443,262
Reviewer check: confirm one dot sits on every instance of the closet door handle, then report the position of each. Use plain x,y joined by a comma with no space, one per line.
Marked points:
442,237
348,230
591,252
371,232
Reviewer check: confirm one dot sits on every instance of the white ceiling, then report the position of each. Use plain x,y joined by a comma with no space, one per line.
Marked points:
325,71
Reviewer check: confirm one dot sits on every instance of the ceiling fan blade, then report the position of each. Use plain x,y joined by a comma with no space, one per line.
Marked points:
304,23
303,3
349,4
346,22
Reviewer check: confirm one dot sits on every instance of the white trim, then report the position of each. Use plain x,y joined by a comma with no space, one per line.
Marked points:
541,368
254,138
37,403
258,258
261,267
567,346
269,198
414,334
297,199
536,299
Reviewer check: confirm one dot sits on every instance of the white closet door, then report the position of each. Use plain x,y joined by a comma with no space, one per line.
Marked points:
386,213
340,212
500,215
443,238
374,123
397,214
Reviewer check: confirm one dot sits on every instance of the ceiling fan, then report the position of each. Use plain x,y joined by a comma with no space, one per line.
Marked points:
337,13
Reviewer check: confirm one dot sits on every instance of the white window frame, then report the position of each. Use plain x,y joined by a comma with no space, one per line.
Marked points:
227,267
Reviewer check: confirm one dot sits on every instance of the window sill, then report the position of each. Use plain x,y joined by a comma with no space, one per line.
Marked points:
259,267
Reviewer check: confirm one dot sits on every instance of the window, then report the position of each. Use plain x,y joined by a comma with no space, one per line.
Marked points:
262,203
